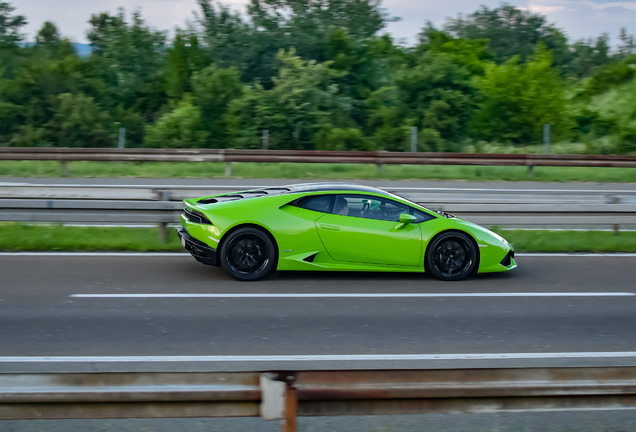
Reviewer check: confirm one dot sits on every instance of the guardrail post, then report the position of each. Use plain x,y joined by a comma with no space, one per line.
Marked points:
162,226
64,168
228,169
379,169
163,195
278,399
291,406
616,227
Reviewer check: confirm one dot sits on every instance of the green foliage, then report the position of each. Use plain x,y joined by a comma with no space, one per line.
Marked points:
511,32
79,122
10,25
588,56
386,120
609,76
129,58
180,128
185,58
330,138
317,74
214,91
518,99
293,110
616,112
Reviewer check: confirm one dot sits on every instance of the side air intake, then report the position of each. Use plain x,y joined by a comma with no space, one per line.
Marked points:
310,258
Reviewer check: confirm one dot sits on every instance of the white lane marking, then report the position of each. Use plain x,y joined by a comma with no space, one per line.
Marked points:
167,254
306,358
361,295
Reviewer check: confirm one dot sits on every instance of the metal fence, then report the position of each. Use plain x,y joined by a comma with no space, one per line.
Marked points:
284,395
378,158
91,204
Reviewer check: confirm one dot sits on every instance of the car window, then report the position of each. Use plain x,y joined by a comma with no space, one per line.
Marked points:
321,203
421,216
369,207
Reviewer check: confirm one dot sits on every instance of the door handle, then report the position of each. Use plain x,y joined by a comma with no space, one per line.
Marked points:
329,227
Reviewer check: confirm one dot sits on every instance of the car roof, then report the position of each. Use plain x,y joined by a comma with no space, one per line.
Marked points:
331,187
290,189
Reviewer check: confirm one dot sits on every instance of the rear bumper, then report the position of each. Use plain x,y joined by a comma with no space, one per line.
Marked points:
199,250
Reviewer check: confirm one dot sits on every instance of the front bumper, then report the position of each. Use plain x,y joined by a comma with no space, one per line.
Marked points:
199,250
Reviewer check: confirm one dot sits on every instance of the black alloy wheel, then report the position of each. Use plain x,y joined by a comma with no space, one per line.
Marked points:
248,254
451,256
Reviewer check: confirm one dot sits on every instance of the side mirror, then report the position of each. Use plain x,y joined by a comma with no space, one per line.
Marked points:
406,218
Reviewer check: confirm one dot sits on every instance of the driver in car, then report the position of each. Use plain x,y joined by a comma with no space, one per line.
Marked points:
341,207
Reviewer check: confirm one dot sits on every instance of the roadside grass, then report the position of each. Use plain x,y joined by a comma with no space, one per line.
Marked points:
315,171
25,237
569,241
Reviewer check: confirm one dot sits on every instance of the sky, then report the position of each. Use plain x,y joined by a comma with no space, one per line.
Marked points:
579,18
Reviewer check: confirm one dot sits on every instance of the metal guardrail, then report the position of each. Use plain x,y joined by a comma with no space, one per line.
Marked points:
287,394
160,205
378,158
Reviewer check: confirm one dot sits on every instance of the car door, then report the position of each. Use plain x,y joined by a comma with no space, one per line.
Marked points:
368,231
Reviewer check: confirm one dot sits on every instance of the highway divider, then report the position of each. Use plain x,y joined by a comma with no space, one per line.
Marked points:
143,204
378,158
286,395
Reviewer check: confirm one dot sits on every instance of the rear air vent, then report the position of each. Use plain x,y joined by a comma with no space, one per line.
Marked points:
196,217
243,195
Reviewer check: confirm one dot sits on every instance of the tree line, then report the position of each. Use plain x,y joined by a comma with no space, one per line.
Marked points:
316,74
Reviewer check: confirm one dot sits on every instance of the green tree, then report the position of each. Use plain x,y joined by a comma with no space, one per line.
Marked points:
387,125
214,91
79,122
293,110
130,59
511,32
184,58
10,37
306,26
438,84
180,128
10,26
518,99
608,76
330,138
588,56
628,44
614,113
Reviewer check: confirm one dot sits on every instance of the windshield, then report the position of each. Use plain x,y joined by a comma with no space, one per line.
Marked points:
439,212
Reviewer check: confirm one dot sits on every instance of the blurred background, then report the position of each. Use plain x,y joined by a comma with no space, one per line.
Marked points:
322,75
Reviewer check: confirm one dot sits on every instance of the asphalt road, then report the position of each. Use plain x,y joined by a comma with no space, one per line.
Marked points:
39,317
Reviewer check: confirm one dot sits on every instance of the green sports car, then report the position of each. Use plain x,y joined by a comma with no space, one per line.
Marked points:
335,227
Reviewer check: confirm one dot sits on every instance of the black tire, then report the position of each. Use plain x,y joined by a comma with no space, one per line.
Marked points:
248,254
451,256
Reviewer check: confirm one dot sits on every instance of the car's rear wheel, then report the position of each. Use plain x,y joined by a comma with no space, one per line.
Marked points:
451,256
248,254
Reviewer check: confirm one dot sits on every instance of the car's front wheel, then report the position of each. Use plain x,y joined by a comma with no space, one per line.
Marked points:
248,254
451,256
